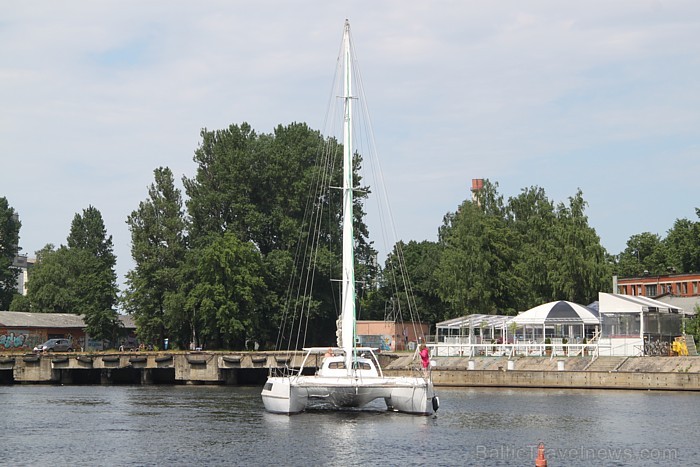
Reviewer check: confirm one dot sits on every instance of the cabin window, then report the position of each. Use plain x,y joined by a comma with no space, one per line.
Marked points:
336,365
361,366
268,387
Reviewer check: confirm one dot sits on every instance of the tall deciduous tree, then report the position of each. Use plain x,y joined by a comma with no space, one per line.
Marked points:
579,270
228,300
644,254
260,188
9,247
509,257
95,280
476,266
158,247
683,245
532,217
52,288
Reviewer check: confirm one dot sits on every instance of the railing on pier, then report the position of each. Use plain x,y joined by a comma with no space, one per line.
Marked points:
534,349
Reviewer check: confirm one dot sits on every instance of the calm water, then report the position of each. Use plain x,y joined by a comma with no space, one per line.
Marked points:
213,425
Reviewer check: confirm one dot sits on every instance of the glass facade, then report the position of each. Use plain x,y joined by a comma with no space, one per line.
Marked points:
619,324
659,326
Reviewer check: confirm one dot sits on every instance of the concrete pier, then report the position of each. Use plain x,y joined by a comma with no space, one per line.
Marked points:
143,367
233,368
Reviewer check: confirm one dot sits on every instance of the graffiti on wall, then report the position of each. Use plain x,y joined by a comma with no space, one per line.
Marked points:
18,339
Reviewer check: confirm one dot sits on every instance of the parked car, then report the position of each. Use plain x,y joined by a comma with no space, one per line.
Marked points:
55,345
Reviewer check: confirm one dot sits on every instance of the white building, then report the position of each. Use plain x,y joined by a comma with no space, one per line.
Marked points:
637,325
24,264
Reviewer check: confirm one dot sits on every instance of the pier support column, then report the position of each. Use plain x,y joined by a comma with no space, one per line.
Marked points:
106,377
66,376
146,376
230,376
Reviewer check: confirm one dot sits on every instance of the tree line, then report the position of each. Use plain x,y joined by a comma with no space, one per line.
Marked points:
212,265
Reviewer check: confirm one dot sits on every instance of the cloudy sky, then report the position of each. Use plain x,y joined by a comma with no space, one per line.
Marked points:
598,95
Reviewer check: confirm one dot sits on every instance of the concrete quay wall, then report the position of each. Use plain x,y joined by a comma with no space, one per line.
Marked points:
661,373
667,373
568,379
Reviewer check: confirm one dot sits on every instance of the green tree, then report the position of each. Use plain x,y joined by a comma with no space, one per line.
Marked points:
266,189
579,270
407,286
683,245
158,247
499,257
533,218
94,280
51,288
692,325
645,254
20,303
9,247
228,300
476,271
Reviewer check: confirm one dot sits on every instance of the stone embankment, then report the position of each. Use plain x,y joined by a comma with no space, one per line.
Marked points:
665,373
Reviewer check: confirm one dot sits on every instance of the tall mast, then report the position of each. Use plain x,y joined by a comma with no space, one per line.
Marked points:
348,279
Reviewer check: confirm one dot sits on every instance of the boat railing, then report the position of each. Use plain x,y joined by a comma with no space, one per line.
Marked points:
284,371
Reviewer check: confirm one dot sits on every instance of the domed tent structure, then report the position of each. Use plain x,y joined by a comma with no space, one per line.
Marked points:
561,319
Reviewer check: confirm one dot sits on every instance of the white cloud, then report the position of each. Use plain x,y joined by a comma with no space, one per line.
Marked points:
596,94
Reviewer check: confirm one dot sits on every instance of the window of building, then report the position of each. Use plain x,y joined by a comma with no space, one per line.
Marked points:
651,290
619,324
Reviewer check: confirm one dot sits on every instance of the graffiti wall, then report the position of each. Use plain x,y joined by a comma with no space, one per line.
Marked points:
19,339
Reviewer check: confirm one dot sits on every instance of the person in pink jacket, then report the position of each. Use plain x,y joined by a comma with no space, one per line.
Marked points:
424,358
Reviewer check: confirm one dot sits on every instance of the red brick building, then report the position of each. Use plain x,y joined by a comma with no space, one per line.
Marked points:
680,285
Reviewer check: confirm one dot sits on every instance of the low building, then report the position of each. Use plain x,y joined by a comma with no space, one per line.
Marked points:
653,286
390,335
637,325
22,331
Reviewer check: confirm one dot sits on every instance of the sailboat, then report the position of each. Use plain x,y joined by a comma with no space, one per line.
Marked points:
349,375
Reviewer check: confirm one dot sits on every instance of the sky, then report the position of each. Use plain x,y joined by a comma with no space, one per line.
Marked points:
600,96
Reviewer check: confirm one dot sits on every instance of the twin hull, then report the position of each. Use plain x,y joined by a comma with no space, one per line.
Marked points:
288,395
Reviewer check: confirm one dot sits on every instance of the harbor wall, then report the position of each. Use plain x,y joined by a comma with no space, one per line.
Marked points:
664,373
568,379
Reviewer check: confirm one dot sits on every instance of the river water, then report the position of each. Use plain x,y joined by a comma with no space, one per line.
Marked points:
224,425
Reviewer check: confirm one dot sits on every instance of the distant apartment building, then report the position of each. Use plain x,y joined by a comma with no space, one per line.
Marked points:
680,285
24,264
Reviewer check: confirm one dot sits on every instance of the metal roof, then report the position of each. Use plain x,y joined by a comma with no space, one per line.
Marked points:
620,303
687,304
475,321
22,319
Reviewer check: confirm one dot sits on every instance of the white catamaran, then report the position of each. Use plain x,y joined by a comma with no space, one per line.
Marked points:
349,376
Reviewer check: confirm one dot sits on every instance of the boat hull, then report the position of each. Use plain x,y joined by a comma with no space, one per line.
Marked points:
289,395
